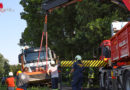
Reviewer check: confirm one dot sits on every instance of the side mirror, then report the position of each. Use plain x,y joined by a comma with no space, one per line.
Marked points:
53,54
19,58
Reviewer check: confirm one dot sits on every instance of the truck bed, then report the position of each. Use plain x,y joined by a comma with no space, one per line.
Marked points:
120,44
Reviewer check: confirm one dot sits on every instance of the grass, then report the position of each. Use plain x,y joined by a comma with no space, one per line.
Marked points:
38,88
4,87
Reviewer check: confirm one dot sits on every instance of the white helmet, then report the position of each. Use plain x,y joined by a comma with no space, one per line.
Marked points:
10,73
78,57
52,62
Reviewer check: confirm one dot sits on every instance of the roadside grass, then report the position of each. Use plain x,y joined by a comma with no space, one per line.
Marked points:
4,87
38,88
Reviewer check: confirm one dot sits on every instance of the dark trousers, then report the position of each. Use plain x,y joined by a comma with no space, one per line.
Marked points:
77,83
23,87
11,88
54,83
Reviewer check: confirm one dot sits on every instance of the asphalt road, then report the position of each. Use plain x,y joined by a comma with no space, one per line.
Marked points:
69,88
92,89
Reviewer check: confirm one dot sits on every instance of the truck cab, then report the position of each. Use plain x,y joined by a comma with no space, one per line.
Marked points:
105,50
36,67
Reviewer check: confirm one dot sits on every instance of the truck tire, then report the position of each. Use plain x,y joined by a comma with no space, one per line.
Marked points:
100,82
127,81
105,82
108,83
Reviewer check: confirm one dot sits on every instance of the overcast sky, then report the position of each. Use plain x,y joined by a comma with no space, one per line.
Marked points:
11,27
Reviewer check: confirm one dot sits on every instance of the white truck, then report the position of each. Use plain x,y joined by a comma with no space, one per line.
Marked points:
37,68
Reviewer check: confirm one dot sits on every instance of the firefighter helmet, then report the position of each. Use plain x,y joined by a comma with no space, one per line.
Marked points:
10,73
78,57
19,72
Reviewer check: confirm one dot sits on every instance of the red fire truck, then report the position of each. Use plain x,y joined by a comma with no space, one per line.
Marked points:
116,52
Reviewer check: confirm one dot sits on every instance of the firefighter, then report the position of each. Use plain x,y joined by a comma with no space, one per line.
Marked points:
53,69
3,80
90,77
22,79
77,76
10,81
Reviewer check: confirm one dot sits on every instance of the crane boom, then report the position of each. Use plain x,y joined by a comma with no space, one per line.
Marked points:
53,4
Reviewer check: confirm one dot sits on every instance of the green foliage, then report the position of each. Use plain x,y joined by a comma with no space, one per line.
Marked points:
4,66
76,29
15,68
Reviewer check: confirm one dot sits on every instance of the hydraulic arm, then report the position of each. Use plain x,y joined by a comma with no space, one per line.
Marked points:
53,4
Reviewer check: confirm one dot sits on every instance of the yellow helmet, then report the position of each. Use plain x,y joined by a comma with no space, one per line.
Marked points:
19,72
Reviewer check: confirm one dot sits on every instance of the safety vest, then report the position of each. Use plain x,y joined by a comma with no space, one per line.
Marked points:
91,73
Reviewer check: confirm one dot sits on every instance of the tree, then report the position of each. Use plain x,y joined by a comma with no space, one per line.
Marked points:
3,68
76,29
15,68
6,68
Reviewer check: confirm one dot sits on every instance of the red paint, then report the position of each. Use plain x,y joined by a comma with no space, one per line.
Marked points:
121,63
79,0
120,45
127,3
105,43
113,77
114,67
1,5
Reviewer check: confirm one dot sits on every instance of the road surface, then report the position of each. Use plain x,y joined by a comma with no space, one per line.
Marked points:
69,88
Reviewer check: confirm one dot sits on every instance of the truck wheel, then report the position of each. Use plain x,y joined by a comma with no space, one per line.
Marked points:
108,84
100,82
127,81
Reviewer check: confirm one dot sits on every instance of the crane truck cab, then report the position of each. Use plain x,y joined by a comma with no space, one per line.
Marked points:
36,68
105,52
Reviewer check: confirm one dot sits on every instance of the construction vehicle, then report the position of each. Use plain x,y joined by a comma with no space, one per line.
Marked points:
116,53
36,68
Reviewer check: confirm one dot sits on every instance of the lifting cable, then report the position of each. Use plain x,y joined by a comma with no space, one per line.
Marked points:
45,31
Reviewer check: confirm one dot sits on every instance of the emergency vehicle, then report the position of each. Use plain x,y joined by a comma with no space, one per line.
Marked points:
116,52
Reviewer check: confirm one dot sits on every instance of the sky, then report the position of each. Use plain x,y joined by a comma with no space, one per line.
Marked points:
11,27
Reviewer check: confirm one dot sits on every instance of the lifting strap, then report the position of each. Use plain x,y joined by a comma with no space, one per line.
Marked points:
45,31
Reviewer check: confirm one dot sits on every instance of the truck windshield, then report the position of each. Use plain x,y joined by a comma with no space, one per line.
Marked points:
106,52
33,56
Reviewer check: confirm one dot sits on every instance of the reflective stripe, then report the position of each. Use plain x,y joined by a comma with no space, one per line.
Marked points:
91,75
